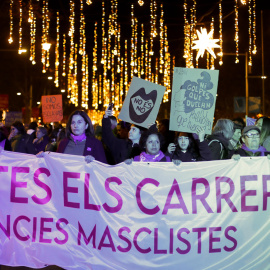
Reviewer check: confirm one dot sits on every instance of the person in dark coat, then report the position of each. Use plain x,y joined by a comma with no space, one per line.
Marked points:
121,149
190,147
80,139
19,140
168,135
251,144
41,139
218,141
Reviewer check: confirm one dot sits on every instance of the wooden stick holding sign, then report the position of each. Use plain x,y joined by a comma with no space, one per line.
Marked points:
52,110
193,99
142,102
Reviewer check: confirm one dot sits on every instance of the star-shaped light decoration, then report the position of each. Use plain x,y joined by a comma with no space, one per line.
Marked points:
205,42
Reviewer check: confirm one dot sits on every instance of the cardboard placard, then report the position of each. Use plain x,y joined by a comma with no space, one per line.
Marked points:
142,102
52,110
12,117
193,99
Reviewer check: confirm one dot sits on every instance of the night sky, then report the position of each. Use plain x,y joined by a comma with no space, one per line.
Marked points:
16,72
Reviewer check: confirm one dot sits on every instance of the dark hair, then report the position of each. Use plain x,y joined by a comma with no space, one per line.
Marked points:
54,133
19,126
239,121
61,135
124,125
191,144
90,129
237,126
265,130
142,129
43,130
145,136
33,125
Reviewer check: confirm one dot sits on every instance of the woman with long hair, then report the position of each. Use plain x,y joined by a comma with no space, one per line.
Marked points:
190,147
19,140
80,139
151,143
263,123
218,141
41,139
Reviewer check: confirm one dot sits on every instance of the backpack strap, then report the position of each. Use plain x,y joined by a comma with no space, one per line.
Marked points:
221,146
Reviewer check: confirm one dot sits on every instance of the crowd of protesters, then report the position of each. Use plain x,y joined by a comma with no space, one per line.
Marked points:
113,142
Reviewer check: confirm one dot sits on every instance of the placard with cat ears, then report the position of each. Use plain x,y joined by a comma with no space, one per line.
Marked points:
142,102
193,99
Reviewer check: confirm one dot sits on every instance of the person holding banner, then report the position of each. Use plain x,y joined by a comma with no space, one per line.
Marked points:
121,149
80,139
190,147
151,141
4,142
263,123
251,144
218,141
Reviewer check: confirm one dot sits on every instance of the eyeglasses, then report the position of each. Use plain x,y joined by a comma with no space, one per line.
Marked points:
250,135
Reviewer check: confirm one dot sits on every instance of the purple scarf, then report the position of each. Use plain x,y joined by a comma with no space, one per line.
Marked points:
78,138
260,149
151,158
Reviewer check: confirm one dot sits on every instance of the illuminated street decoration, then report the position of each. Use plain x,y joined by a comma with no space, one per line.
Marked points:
20,27
56,72
10,40
116,61
161,40
220,54
212,62
45,45
249,33
236,37
32,21
205,42
254,50
141,2
64,56
153,24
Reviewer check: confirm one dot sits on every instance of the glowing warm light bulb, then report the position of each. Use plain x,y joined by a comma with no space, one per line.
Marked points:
205,42
46,46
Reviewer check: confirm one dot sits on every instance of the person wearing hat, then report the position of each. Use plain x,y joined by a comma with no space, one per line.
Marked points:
251,144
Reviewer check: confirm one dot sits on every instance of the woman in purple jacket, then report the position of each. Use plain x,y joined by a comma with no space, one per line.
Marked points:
80,139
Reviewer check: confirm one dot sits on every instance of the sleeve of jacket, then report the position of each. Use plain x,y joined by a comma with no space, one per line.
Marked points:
204,151
62,145
99,153
117,146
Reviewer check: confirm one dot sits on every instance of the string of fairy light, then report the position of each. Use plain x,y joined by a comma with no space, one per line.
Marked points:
114,60
190,24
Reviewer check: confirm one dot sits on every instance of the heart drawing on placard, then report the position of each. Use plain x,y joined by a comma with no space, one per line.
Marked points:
141,105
